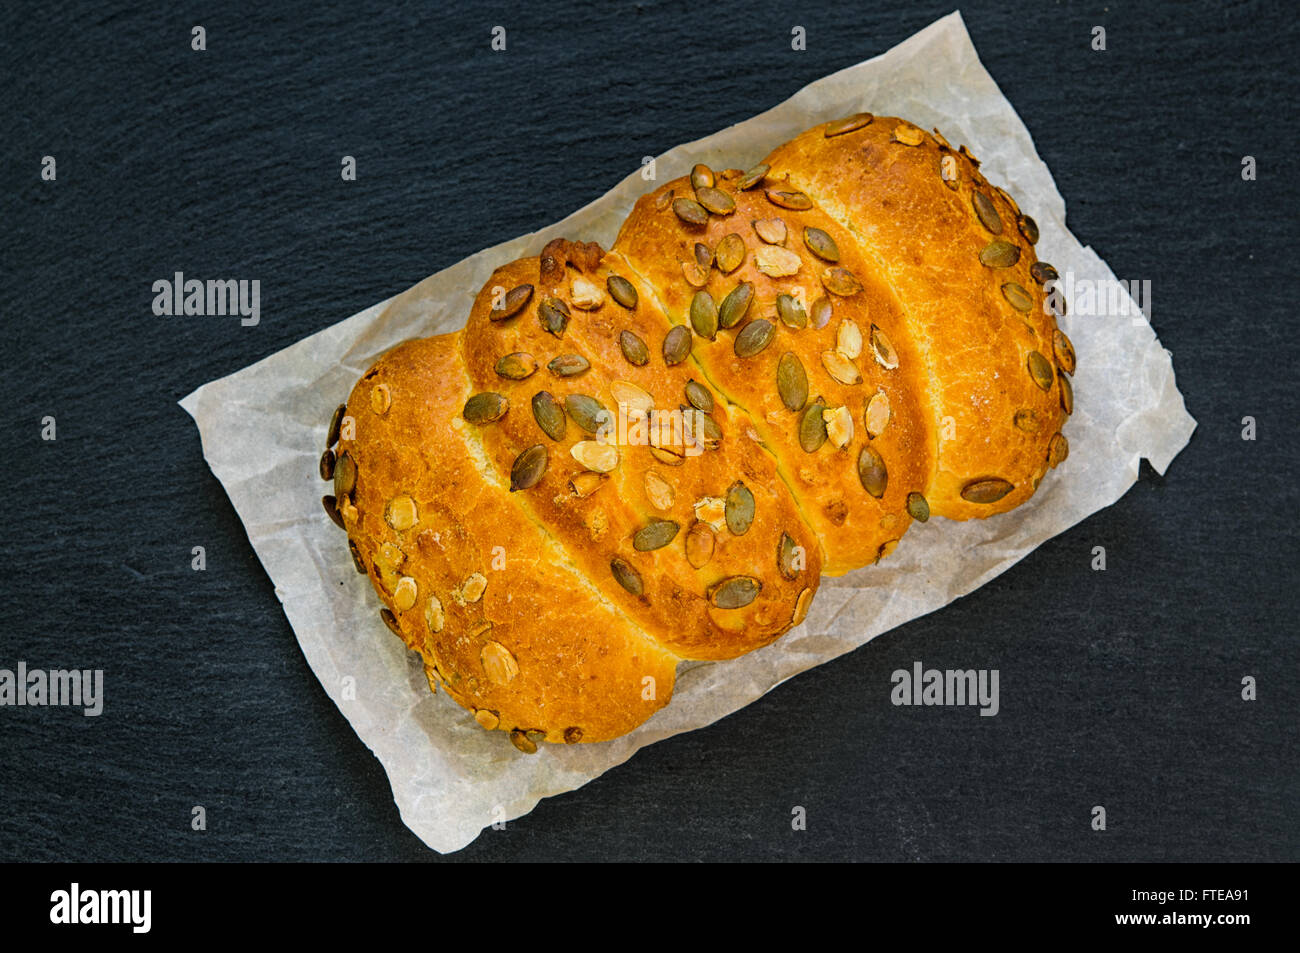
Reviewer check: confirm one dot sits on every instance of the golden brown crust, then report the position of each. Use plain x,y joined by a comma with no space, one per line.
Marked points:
523,640
925,240
552,567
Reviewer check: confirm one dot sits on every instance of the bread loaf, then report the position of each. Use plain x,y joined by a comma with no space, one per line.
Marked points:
632,457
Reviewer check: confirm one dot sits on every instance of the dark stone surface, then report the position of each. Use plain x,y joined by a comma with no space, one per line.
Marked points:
1118,688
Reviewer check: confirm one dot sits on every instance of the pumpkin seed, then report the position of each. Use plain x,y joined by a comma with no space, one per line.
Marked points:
1042,272
696,276
716,201
1018,296
572,735
512,303
549,415
658,490
730,253
985,212
988,490
601,457
587,412
331,504
789,198
735,592
821,244
949,172
626,576
999,254
770,230
668,457
634,349
776,262
554,315
1029,228
1008,199
327,465
528,468
703,256
699,397
740,509
700,542
517,366
791,312
630,398
792,382
1067,394
381,398
812,427
839,426
1057,450
586,483
754,338
872,471
848,338
877,414
336,424
390,620
485,408
345,475
400,512
702,429
677,345
840,281
690,211
520,740
801,606
622,291
663,198
568,365
1040,370
883,348
654,535
908,135
787,556
849,124
1064,351
887,547
1027,420
841,368
735,305
752,177
917,507
820,315
701,177
704,315
356,557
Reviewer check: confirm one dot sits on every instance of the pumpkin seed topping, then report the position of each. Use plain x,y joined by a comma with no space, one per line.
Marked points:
677,344
735,592
634,349
485,408
872,471
988,490
512,303
549,415
792,382
622,291
517,366
528,469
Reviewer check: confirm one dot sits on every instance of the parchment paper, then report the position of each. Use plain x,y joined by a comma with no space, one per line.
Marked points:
262,431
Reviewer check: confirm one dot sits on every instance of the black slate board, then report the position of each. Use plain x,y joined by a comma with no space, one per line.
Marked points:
1119,688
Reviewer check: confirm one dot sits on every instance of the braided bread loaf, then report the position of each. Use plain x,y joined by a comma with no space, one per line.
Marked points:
634,457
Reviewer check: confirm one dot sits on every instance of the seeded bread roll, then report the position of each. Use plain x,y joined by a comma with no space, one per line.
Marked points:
634,457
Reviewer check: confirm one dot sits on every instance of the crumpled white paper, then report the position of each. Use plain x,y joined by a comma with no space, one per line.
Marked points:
262,431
